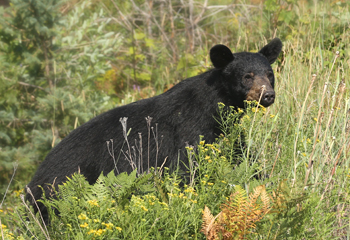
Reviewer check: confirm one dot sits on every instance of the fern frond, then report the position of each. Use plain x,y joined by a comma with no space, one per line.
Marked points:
209,227
239,214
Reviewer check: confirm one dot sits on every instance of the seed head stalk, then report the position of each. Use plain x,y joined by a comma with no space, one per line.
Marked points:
299,124
319,121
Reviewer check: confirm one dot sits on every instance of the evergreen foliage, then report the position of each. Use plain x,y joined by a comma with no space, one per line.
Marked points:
42,93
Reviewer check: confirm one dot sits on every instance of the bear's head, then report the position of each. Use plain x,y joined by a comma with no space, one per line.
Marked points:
245,75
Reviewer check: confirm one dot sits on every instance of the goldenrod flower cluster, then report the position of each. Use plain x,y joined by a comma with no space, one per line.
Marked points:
146,202
96,232
93,203
7,234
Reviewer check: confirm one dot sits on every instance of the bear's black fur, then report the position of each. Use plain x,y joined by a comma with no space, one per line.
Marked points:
182,114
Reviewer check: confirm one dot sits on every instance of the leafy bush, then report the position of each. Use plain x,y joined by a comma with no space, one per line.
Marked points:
47,86
164,206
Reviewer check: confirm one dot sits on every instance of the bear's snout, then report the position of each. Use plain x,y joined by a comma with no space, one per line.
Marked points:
268,98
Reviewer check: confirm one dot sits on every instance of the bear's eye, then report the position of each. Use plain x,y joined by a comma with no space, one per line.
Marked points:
269,75
248,76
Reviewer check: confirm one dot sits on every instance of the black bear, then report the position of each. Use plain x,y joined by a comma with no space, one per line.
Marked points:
179,117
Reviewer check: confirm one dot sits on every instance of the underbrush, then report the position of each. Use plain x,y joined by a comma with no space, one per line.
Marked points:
242,179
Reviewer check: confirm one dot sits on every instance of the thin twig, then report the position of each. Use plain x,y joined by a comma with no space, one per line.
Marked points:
8,186
31,85
35,219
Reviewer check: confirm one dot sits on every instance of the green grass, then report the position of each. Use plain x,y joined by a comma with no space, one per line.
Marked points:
298,148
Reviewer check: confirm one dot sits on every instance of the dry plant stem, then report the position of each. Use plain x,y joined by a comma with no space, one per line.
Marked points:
251,128
299,124
273,166
193,168
331,175
30,85
15,166
128,154
111,153
2,231
161,167
330,118
154,223
199,17
141,149
319,118
127,24
323,145
35,219
155,136
157,24
148,120
25,224
317,132
339,100
36,204
191,27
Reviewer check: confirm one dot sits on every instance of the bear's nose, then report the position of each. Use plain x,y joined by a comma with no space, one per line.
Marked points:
268,98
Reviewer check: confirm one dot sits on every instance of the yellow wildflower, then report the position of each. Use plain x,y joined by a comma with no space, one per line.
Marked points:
85,225
91,231
189,148
108,225
82,217
93,203
144,208
190,190
18,192
119,229
99,232
220,104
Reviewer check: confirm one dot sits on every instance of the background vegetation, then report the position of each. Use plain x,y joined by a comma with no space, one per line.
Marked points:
64,62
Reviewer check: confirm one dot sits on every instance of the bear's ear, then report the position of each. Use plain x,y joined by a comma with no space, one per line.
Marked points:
220,55
272,50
